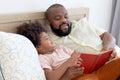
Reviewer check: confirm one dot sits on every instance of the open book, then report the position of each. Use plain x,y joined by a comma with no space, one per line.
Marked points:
92,62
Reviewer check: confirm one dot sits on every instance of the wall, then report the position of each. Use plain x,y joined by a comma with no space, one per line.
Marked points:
100,10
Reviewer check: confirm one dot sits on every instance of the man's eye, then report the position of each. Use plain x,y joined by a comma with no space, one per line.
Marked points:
57,17
66,17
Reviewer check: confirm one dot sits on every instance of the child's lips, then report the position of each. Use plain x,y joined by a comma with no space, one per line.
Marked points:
53,48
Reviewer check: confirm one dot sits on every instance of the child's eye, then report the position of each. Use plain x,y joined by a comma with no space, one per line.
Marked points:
46,38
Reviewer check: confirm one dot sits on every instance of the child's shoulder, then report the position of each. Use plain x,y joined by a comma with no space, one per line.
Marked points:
61,46
65,49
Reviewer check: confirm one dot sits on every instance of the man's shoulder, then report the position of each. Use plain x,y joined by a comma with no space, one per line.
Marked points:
82,19
52,35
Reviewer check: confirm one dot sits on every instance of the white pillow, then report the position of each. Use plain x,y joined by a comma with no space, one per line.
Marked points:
18,58
1,78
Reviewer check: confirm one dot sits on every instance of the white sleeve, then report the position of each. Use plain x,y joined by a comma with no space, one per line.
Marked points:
98,30
44,62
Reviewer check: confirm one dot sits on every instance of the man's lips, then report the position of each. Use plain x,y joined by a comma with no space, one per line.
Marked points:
64,27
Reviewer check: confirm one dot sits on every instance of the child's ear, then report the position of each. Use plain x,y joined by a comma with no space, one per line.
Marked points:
38,49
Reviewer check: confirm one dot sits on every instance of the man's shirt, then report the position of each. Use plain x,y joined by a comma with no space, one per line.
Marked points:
84,37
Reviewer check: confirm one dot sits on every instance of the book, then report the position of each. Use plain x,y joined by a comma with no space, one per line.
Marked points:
92,62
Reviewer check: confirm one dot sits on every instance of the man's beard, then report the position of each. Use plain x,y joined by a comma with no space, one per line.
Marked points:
59,32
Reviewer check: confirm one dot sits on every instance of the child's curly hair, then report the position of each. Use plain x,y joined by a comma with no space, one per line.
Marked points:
32,31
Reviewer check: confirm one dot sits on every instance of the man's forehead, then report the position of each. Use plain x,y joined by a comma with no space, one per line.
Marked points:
57,10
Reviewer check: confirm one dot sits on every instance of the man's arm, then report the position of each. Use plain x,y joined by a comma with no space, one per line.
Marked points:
108,41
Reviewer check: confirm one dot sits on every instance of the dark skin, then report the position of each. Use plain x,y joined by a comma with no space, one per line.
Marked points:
47,47
71,73
69,70
70,67
108,41
57,16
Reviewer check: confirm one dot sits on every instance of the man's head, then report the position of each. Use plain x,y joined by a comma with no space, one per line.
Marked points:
58,19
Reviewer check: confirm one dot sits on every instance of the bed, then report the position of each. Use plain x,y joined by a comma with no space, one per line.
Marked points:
9,22
15,56
18,57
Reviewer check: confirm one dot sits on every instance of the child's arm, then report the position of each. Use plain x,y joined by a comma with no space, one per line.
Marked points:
72,72
58,73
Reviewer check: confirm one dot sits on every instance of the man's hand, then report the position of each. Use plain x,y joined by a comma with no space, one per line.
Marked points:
108,41
113,55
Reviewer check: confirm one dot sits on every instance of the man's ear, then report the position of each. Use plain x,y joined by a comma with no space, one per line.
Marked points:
47,22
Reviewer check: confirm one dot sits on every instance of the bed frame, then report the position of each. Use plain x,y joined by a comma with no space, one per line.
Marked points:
9,22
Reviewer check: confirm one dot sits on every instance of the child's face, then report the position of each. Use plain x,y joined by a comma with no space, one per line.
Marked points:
46,46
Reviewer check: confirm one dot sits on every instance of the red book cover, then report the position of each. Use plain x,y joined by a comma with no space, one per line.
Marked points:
92,62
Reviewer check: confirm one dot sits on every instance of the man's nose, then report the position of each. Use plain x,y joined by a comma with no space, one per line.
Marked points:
64,19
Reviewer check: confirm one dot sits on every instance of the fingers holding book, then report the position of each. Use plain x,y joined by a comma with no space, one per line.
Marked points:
113,55
75,59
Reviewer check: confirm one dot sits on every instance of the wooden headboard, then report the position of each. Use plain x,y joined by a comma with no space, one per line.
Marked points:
9,22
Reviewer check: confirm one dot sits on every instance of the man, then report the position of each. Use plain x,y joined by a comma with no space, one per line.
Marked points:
83,37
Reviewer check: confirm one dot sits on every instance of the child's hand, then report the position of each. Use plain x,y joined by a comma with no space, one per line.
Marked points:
73,72
74,59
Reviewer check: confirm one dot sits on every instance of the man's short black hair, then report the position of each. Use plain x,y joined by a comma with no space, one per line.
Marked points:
52,6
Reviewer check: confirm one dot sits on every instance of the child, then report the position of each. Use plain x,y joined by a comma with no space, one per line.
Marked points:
53,59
